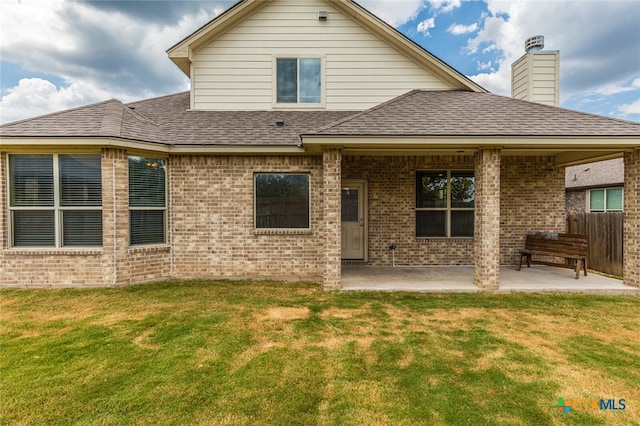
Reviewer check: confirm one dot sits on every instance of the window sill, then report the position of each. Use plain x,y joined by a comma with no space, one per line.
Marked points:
156,248
429,239
292,231
50,251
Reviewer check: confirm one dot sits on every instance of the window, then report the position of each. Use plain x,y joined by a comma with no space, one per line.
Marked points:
147,200
299,80
604,200
55,200
445,203
281,201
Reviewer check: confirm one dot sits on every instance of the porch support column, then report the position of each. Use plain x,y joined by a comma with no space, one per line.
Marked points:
631,267
332,207
487,219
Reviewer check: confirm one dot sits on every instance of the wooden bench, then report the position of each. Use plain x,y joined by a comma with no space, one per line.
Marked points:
569,246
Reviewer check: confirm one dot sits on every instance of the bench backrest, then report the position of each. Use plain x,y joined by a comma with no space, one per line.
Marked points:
573,244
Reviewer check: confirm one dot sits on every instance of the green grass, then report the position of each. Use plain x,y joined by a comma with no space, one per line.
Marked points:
272,353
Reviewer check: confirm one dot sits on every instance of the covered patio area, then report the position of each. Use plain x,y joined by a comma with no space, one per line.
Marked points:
451,279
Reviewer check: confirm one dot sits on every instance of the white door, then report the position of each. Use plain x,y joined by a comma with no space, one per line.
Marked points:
353,220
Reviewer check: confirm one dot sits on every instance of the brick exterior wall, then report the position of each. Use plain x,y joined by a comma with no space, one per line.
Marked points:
212,220
210,230
332,213
487,219
391,205
631,267
532,199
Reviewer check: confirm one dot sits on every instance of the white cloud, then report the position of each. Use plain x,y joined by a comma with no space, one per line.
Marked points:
458,29
395,13
426,25
594,58
444,6
630,109
35,96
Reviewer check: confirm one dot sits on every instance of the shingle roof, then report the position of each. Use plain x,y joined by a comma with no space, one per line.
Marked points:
167,120
463,113
600,174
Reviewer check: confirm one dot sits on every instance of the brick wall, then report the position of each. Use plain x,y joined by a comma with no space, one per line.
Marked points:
487,218
211,231
631,267
391,188
532,199
212,223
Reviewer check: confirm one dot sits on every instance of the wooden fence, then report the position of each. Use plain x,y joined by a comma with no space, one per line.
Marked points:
605,239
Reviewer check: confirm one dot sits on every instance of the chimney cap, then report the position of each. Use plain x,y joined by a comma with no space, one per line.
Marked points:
534,44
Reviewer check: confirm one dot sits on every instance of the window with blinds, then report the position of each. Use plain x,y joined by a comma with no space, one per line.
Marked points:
147,201
55,200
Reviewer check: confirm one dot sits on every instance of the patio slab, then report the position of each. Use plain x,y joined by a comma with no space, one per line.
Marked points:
451,279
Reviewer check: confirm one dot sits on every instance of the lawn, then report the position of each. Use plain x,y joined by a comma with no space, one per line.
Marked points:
272,353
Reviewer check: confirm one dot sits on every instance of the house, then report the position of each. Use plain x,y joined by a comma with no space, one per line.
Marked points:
595,187
313,134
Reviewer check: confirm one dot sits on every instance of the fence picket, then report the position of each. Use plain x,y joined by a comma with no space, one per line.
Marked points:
605,232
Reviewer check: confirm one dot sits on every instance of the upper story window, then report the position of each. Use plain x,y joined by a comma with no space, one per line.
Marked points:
445,202
55,200
605,200
147,200
299,80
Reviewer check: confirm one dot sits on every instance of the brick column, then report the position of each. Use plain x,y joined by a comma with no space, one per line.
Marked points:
115,213
332,226
631,268
487,219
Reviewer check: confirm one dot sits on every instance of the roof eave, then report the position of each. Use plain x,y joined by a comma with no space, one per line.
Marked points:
181,52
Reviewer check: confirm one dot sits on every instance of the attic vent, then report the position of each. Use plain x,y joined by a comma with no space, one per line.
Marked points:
534,44
280,122
323,15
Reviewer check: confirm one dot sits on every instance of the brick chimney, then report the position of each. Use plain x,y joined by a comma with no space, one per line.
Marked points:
535,77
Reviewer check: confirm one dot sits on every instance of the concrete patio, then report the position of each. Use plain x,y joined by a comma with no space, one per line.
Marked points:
449,279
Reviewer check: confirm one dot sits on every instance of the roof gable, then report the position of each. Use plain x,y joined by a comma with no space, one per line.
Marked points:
182,53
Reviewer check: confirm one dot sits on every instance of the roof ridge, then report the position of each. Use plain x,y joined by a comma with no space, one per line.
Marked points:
553,107
111,124
133,104
367,111
51,114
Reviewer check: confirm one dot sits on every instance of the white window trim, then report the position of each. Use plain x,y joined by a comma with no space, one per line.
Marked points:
297,105
606,208
279,230
447,209
56,208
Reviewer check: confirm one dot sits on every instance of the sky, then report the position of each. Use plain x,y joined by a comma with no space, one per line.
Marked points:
60,54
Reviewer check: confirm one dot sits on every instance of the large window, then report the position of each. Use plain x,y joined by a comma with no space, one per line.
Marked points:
147,200
55,200
445,203
299,80
605,200
281,201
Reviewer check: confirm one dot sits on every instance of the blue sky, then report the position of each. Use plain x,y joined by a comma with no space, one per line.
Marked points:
59,54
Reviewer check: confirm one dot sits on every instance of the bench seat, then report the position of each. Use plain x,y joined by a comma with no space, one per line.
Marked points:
567,246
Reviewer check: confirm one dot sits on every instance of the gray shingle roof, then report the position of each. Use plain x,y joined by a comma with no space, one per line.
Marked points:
600,174
167,120
462,113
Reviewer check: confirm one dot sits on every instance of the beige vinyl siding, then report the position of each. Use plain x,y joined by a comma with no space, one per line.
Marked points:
236,70
535,78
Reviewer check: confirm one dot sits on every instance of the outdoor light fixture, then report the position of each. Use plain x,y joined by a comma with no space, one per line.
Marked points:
323,15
